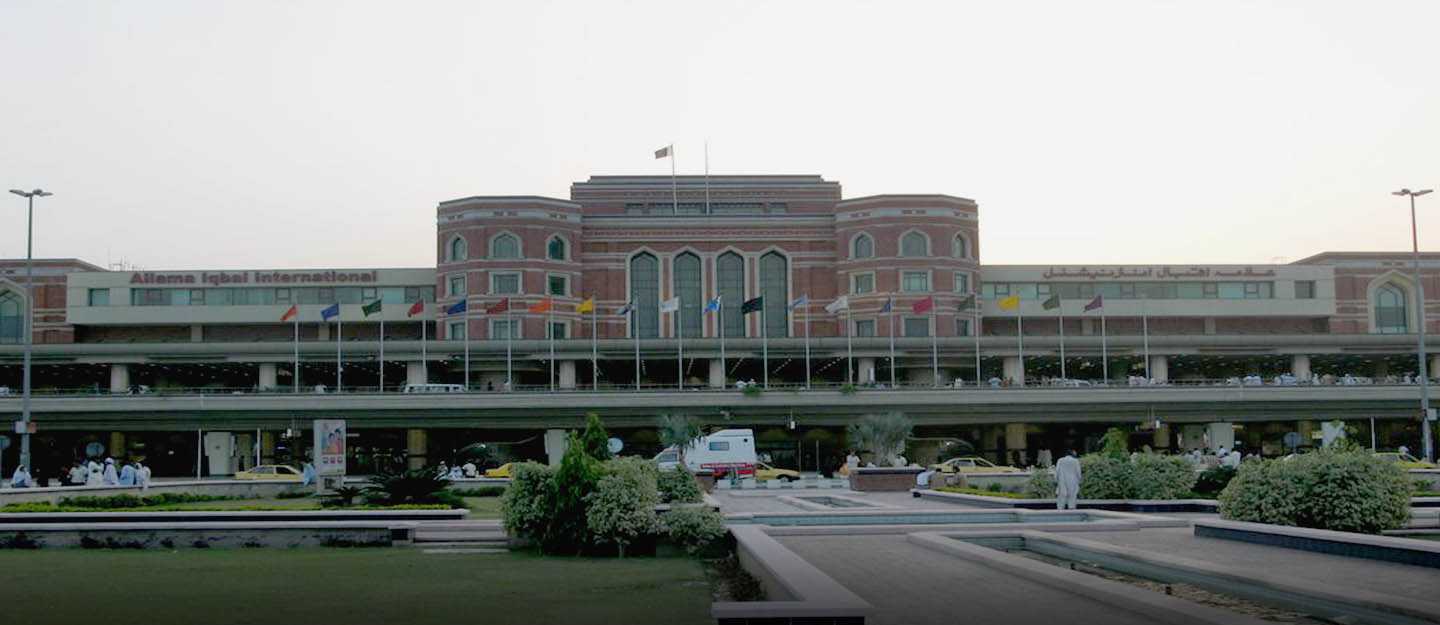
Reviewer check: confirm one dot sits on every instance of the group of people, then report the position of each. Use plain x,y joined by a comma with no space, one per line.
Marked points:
1220,457
92,473
458,471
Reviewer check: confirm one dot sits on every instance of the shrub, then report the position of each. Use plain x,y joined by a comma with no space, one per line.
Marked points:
995,487
595,439
1160,477
678,485
1105,477
294,494
695,528
1213,480
1147,476
120,502
1345,490
414,486
567,530
752,390
882,435
342,497
1041,485
1115,443
622,506
525,506
989,492
483,491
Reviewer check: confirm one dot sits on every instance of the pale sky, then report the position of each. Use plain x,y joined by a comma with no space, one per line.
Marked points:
257,134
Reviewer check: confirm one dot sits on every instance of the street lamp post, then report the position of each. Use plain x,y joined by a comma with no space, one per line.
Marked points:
1420,314
29,321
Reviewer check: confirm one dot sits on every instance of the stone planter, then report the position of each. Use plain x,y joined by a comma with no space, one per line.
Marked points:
896,479
706,479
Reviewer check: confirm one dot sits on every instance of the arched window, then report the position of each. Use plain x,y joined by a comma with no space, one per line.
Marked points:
555,249
11,321
505,246
962,247
774,287
730,283
645,296
459,250
687,288
914,244
1390,314
863,247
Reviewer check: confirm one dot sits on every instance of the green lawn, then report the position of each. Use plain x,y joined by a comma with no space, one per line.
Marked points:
351,586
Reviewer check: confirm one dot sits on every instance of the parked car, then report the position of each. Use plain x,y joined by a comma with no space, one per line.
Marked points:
972,464
764,471
271,472
723,452
1405,461
502,471
434,388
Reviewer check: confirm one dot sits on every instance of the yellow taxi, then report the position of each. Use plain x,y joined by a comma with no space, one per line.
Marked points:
271,473
766,472
502,471
972,464
1405,461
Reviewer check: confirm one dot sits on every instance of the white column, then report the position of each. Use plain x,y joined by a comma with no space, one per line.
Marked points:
865,370
555,443
1433,370
1210,325
717,373
1300,367
1015,442
197,333
1221,435
567,374
119,378
1160,368
267,376
1013,371
415,372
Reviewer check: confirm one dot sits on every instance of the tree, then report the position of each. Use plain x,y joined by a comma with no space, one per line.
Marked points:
679,431
1115,444
576,478
883,435
622,506
595,440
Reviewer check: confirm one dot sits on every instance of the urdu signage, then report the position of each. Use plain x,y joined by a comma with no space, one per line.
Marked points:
242,278
1156,273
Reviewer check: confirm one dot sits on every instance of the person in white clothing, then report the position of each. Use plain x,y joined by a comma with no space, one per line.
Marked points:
127,474
1067,481
142,475
110,477
77,474
21,479
94,475
1231,459
470,469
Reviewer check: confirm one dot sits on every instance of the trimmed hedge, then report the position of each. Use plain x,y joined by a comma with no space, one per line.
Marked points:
985,492
678,485
1145,476
1342,490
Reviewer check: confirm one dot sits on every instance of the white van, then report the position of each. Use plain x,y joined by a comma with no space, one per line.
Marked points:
434,388
723,452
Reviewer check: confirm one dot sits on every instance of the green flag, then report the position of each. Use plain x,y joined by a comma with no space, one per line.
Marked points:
968,303
1052,303
371,308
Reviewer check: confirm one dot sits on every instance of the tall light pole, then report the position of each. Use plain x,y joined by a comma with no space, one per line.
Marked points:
1420,314
29,321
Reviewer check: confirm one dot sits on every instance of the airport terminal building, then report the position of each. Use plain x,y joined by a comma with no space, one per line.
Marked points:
641,295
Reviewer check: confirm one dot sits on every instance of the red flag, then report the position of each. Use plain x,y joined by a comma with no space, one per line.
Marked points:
923,305
498,307
541,306
290,314
416,308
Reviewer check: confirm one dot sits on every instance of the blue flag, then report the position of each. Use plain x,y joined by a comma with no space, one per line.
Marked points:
889,303
713,305
331,312
456,308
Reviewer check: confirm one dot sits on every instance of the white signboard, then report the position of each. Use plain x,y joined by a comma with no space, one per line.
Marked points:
330,447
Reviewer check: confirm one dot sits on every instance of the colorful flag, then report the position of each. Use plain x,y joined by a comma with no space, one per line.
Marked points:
586,306
626,309
541,306
752,305
290,314
968,303
800,301
713,305
840,303
457,308
371,308
331,311
664,152
416,308
1098,302
923,306
1009,303
889,304
670,305
1052,303
498,307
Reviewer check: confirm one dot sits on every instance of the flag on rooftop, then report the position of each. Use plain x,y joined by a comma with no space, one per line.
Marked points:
1098,302
290,314
371,308
1051,303
330,312
840,303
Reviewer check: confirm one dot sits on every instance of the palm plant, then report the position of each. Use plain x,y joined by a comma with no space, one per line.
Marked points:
413,486
883,435
679,431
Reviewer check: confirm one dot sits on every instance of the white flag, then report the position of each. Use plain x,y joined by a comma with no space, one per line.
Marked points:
670,305
800,301
840,303
663,152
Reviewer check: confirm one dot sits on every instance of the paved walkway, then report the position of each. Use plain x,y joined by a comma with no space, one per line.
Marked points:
912,585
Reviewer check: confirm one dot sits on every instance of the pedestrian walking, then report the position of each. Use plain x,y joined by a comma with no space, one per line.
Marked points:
1067,481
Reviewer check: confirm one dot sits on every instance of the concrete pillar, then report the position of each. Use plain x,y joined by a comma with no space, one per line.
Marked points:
267,376
244,451
566,373
415,372
865,370
1434,370
1192,436
1161,438
1015,442
119,378
1382,368
1014,372
324,334
267,447
416,448
1087,326
717,373
1160,368
117,445
555,443
1210,325
1221,435
197,333
1300,367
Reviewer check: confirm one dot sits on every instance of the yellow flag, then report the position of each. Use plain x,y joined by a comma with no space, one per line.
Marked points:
586,306
1009,303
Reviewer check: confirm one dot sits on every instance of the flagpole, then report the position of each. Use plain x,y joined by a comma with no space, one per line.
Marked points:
1145,334
634,333
934,345
339,369
466,316
550,327
1061,311
849,347
680,353
976,332
764,346
891,303
382,350
707,176
674,187
424,355
1104,356
509,343
1020,336
807,341
594,349
295,383
720,322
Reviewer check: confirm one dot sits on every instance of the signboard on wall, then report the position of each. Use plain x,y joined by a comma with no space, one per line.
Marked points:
330,447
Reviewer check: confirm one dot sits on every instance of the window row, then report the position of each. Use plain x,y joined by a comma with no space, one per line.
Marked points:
910,282
906,326
271,297
506,246
687,277
912,244
506,283
1131,290
502,329
11,317
702,208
